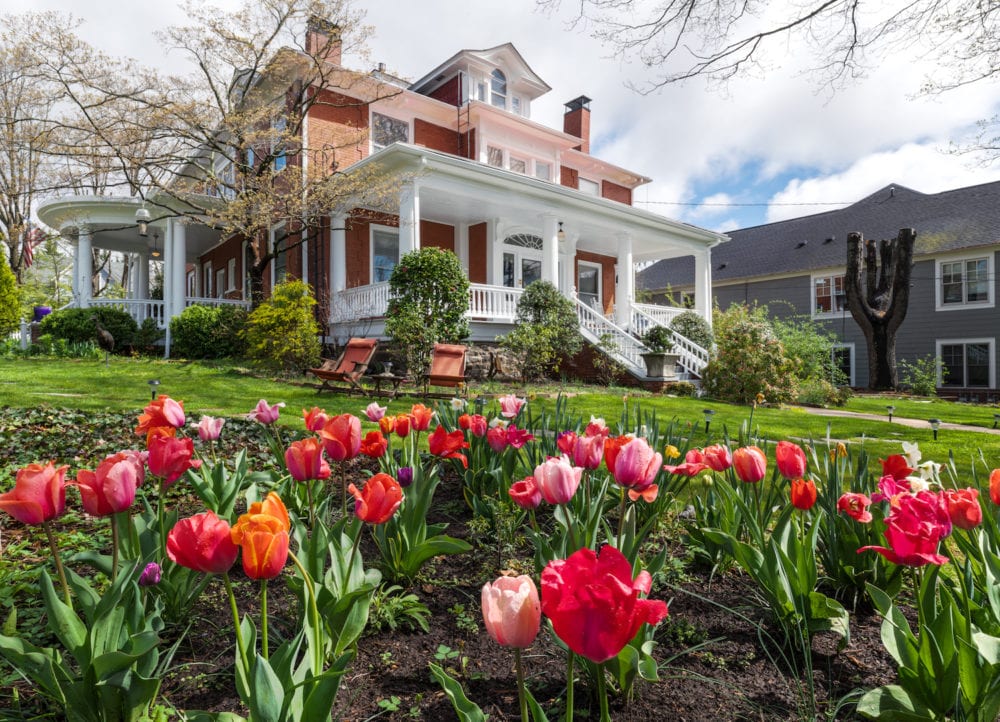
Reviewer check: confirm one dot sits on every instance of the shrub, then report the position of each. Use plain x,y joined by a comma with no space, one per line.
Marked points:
607,368
148,336
691,325
10,300
76,326
546,331
820,392
809,348
749,359
659,339
921,376
281,332
428,298
209,332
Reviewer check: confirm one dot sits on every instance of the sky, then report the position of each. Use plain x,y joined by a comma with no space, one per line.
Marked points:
765,148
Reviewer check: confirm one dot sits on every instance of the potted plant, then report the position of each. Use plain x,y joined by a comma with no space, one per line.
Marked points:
660,362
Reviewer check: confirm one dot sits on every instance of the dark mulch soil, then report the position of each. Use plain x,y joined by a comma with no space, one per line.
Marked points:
721,666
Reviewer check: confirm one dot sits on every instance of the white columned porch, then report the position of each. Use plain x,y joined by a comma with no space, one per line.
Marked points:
84,269
550,249
409,218
141,276
177,263
338,254
462,245
624,281
567,257
703,284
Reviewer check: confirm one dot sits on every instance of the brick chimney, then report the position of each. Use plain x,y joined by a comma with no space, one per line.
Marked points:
576,121
323,40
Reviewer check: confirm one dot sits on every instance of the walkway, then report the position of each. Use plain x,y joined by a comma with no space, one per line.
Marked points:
912,423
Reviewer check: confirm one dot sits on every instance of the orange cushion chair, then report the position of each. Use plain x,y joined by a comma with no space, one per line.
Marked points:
349,368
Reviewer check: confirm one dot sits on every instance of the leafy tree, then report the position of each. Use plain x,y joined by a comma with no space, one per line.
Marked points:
428,299
281,332
10,300
809,348
546,330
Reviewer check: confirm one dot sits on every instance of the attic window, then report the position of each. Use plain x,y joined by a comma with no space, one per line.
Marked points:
498,89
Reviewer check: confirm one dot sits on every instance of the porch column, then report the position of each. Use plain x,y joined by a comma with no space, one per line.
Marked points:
462,245
168,286
624,281
178,265
703,284
338,254
567,257
141,276
83,287
550,249
409,219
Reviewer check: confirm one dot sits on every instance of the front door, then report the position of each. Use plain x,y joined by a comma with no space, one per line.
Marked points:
520,269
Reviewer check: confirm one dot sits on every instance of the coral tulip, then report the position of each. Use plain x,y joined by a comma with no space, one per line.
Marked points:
202,542
855,506
790,460
341,437
963,507
694,464
557,479
593,602
512,613
914,530
378,499
170,457
163,412
315,418
374,445
420,417
305,460
803,494
401,425
637,465
612,445
995,486
510,406
39,494
525,493
111,488
750,464
262,534
718,457
210,428
446,445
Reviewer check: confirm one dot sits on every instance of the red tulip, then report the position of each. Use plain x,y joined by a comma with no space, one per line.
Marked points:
39,494
790,459
378,500
170,457
718,457
694,464
914,530
995,486
203,543
478,425
401,425
855,506
896,466
446,445
803,493
262,534
963,507
111,488
557,479
525,493
637,465
163,412
374,444
315,418
420,417
594,603
566,442
497,438
305,460
612,445
341,437
750,464
512,613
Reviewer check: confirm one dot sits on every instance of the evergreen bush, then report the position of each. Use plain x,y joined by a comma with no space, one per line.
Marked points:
281,333
209,332
693,326
76,326
547,331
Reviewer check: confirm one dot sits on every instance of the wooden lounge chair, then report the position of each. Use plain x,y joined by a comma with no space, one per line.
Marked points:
447,367
347,369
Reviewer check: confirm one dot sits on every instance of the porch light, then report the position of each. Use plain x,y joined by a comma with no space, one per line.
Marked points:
153,383
935,425
561,235
891,410
156,251
142,218
709,413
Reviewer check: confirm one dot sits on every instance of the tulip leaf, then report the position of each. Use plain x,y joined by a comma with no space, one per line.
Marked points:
268,695
895,703
467,710
323,693
64,622
36,664
535,709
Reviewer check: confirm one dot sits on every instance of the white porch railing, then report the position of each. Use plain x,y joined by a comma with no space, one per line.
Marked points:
138,308
693,358
646,315
622,345
199,301
494,303
359,302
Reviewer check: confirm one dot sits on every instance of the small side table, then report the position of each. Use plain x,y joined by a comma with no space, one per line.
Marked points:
387,384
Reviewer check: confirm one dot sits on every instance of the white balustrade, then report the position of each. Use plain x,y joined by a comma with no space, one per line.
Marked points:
138,309
360,302
493,303
693,358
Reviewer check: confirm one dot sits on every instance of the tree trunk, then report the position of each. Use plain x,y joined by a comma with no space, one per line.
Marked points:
878,303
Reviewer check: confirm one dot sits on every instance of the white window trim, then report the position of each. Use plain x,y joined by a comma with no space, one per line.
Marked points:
271,240
991,342
832,315
854,367
243,264
220,291
372,228
208,279
529,159
600,279
580,178
402,118
939,304
231,275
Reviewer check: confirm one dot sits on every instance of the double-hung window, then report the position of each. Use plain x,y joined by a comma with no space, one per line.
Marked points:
964,283
967,363
498,89
385,252
280,125
828,295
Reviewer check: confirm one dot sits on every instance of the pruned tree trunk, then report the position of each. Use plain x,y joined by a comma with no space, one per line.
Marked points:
878,302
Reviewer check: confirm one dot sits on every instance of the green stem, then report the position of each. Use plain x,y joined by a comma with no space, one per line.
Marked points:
114,547
569,686
602,693
317,645
159,522
312,508
343,488
236,622
586,507
58,562
263,618
133,535
350,563
522,697
621,519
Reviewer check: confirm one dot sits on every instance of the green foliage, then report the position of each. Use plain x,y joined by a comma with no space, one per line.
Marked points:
428,298
10,300
921,376
809,348
209,332
692,325
607,368
820,392
546,331
659,339
281,332
148,337
76,326
749,359
395,608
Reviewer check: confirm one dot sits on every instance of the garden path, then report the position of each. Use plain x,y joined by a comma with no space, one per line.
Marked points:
913,423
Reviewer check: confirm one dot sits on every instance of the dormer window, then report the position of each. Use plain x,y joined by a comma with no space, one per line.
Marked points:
498,89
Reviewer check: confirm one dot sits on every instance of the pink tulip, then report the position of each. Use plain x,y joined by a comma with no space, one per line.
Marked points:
718,457
637,464
914,529
855,506
694,463
511,611
525,493
557,479
497,438
203,543
750,464
210,428
510,405
374,412
588,451
790,459
314,418
111,488
305,460
265,414
39,494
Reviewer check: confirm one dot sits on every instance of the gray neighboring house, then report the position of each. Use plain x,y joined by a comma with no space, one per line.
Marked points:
796,267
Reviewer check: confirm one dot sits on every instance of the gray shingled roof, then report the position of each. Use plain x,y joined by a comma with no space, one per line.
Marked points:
952,220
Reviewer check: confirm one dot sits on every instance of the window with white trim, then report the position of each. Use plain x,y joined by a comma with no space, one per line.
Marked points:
206,292
515,105
386,131
385,252
518,165
494,156
591,188
967,363
828,296
220,282
498,89
543,170
964,282
280,125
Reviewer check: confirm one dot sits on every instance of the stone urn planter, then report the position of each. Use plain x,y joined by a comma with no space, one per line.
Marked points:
660,364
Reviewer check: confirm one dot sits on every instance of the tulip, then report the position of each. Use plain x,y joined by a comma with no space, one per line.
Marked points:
566,442
401,425
446,445
111,488
170,457
420,417
612,445
39,494
262,534
374,412
511,611
557,479
202,542
265,414
694,464
378,500
387,424
889,488
164,412
315,418
896,466
803,494
210,428
405,476
914,530
305,460
855,506
374,445
597,427
510,406
790,459
525,493
478,425
151,575
718,457
593,602
497,438
517,438
637,465
995,486
963,507
588,451
341,437
750,464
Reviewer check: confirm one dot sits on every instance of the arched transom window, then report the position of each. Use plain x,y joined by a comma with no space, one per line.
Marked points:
524,240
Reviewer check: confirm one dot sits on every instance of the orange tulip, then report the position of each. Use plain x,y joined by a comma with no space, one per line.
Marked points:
803,494
387,424
305,460
262,534
420,417
164,412
378,500
39,494
374,444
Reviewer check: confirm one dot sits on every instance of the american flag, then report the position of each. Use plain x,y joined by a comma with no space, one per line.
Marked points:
32,237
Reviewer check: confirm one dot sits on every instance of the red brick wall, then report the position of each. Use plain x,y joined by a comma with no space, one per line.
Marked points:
438,235
435,137
358,259
577,122
477,253
569,177
338,124
450,92
615,192
219,258
607,275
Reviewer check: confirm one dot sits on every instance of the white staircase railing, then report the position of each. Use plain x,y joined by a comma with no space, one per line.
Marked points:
652,313
621,345
495,303
693,358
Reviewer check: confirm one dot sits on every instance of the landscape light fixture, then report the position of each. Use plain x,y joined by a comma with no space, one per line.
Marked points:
153,383
935,425
709,413
142,218
561,235
891,410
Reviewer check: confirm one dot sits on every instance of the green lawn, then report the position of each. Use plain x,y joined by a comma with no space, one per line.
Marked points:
225,390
